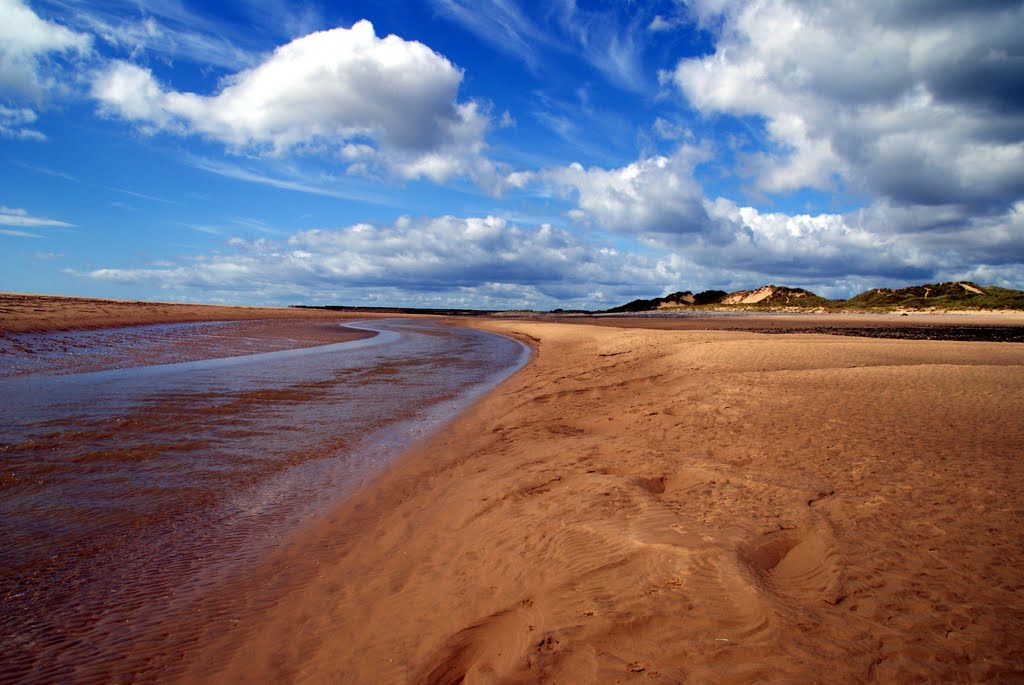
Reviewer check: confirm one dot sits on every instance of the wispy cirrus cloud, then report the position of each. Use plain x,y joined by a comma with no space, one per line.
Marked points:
144,196
16,123
11,216
18,234
47,171
610,38
326,186
592,131
21,219
161,30
501,24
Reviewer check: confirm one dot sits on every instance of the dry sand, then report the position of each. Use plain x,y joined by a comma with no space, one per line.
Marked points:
675,506
679,506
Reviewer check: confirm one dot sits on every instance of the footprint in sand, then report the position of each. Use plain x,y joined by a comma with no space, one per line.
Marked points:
799,565
654,485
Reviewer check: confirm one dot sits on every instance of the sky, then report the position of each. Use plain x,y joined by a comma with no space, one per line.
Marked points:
503,154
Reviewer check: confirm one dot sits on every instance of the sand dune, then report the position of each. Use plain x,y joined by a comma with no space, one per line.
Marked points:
677,506
750,296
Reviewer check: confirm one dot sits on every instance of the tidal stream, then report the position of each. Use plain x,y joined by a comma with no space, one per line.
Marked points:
134,500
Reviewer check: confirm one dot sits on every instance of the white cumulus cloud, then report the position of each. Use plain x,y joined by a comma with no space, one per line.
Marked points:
657,201
446,260
835,254
915,102
809,248
381,101
26,41
652,196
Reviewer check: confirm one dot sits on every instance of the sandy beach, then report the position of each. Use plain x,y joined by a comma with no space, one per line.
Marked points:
673,506
667,506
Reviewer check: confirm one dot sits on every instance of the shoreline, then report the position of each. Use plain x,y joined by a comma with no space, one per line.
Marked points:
675,505
28,313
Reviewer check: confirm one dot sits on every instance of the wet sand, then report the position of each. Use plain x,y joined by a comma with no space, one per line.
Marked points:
99,349
57,335
673,506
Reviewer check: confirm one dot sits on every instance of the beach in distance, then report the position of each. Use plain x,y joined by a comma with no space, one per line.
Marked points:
690,503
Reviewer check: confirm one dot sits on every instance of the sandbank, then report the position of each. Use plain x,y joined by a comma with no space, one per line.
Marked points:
57,334
20,313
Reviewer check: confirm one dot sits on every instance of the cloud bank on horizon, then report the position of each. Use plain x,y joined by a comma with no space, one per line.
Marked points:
502,154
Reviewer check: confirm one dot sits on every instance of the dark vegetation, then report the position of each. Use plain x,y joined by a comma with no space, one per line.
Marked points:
941,296
680,298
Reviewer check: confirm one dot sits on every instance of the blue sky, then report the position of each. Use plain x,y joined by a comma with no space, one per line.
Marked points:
503,154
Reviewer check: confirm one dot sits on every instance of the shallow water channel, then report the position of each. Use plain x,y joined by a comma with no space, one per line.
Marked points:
127,496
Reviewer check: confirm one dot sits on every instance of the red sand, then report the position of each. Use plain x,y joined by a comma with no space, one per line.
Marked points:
666,506
675,506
